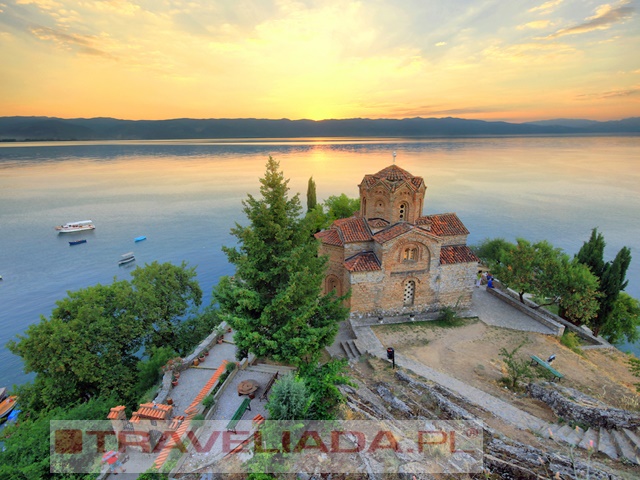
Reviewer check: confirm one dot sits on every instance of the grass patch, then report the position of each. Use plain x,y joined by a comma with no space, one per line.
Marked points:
570,340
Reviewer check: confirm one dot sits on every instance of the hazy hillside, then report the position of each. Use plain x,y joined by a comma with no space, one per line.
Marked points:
50,128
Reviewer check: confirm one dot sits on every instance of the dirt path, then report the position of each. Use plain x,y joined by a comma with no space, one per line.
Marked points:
470,353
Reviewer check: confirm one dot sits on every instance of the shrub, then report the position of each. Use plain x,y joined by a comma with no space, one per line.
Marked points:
208,401
570,340
231,366
517,367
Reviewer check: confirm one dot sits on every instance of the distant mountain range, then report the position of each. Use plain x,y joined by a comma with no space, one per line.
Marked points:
51,128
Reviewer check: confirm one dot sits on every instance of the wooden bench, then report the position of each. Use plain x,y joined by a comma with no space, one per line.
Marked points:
538,361
268,387
245,405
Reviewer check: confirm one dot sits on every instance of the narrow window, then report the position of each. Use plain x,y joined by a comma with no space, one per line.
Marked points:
410,255
403,211
333,284
409,292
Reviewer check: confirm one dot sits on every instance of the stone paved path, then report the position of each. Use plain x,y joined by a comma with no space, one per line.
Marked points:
493,311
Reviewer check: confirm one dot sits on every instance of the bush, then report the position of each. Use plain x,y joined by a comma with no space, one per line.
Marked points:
208,401
570,340
231,366
517,367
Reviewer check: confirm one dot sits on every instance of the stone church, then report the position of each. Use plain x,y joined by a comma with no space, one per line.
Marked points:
394,259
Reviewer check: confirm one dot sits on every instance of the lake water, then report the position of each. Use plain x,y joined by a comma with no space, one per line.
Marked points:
184,196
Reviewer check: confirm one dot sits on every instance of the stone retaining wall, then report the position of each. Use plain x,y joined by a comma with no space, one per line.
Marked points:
543,315
575,406
540,317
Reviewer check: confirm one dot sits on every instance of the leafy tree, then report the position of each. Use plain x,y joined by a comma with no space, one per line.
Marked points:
273,302
289,399
190,332
612,276
545,272
87,348
164,293
311,195
624,320
522,266
341,206
490,250
322,386
149,370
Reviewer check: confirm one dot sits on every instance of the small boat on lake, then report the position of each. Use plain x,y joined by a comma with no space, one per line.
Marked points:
126,258
7,402
80,226
139,239
78,242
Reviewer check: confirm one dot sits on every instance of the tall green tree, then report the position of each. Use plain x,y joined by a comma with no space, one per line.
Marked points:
612,276
164,293
274,300
311,195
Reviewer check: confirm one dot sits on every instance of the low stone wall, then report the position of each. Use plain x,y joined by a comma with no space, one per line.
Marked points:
504,293
205,345
540,317
573,405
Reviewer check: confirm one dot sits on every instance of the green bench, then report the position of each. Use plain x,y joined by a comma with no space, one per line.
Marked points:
244,406
538,361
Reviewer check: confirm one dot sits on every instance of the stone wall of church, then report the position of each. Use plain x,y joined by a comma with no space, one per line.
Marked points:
335,268
454,240
457,283
367,290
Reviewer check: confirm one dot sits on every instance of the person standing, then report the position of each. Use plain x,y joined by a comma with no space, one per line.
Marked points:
479,279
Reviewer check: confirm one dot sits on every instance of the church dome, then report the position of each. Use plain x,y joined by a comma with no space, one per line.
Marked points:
392,175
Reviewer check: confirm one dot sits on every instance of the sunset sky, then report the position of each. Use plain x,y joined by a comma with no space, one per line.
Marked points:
512,60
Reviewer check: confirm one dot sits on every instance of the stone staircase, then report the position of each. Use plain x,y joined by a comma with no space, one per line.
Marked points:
350,348
618,444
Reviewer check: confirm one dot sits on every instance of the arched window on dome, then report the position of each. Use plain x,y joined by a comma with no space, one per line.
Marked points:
403,212
409,293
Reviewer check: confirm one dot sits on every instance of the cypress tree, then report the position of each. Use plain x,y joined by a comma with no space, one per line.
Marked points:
274,300
592,253
311,195
612,276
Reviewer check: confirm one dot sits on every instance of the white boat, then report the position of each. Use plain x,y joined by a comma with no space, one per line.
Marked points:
76,226
126,258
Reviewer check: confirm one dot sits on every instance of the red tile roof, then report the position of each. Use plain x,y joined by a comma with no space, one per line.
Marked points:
150,411
457,254
424,222
445,224
353,229
115,412
330,237
362,262
392,175
392,232
377,222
